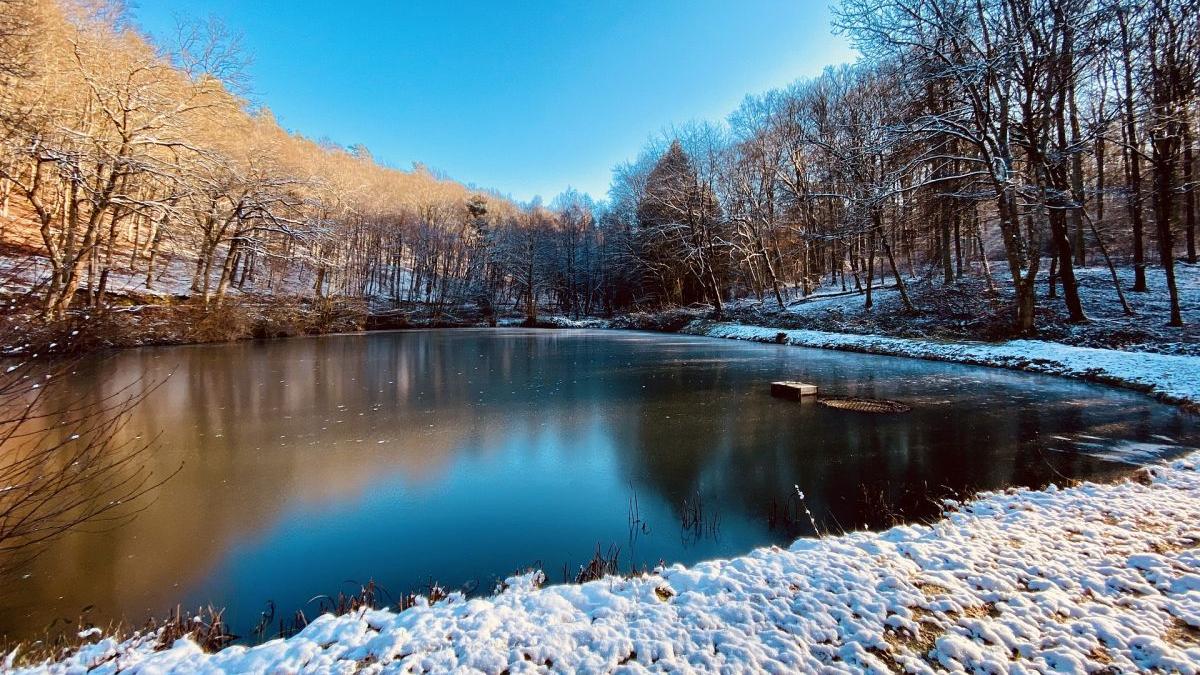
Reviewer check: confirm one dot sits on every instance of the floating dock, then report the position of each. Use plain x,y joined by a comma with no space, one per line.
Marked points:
794,391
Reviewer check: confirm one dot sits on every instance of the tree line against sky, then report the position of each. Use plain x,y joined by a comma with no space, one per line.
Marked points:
992,139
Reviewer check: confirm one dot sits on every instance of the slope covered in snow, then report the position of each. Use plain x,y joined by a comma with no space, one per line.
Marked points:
1087,578
967,310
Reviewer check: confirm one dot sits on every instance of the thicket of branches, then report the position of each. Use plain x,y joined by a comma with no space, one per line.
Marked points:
67,459
991,138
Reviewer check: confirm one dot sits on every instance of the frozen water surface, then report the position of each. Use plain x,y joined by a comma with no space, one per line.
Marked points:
463,456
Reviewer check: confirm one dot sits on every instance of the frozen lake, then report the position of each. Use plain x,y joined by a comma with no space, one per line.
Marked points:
462,456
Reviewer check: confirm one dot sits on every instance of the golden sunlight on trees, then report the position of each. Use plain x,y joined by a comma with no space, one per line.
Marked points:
121,158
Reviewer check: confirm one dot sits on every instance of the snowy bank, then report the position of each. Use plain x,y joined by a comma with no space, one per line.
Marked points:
1080,579
1169,378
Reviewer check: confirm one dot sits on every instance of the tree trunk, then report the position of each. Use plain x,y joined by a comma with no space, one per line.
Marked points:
1066,267
870,266
1163,169
1112,269
1076,214
1132,159
1026,302
887,250
983,259
947,262
1189,197
227,271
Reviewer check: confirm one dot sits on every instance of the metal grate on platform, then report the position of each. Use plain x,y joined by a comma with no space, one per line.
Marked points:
867,405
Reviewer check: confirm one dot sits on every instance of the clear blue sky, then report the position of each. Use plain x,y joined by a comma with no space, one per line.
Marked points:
526,97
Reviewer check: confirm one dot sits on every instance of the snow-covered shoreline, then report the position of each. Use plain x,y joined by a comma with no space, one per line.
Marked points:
1071,579
1166,377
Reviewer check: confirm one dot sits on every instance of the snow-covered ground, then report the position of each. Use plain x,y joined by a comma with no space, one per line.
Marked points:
1168,377
1090,578
966,310
173,278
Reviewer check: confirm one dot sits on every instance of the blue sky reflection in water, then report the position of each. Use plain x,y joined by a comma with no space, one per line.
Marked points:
463,456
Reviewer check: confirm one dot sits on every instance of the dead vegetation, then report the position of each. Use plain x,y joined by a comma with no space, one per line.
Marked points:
207,627
175,323
602,564
920,642
1183,634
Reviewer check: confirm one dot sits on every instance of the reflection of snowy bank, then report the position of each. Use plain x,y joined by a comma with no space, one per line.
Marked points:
1170,378
1068,580
1130,452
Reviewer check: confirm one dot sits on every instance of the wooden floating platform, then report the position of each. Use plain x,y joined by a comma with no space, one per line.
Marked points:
793,391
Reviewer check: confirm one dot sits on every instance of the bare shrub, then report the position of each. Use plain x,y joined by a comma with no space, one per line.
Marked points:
601,565
225,323
65,459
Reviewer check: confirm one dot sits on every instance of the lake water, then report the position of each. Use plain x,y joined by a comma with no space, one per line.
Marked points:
312,465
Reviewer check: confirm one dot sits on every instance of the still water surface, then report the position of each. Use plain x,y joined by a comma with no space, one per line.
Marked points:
461,456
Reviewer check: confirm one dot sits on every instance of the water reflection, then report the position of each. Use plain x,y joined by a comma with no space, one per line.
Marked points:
465,455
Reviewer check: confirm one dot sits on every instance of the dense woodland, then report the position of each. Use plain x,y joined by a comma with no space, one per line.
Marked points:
989,139
976,137
117,153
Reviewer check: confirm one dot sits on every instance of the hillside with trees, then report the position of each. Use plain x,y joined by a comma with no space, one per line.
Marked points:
986,169
998,147
134,174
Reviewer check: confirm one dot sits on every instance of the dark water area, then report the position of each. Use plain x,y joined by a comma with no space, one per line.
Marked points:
310,466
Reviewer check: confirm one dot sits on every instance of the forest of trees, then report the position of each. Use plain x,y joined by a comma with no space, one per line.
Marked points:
994,139
975,137
120,156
